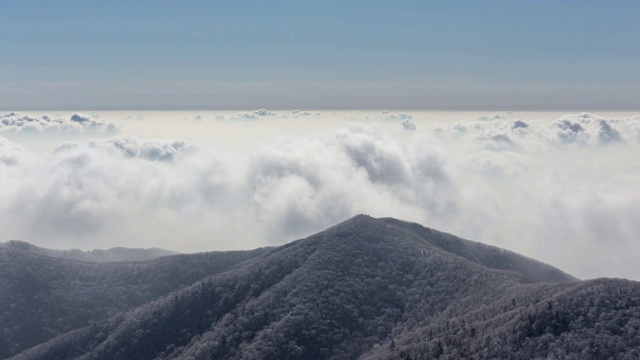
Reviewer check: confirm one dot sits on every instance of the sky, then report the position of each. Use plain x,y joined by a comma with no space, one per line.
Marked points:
418,55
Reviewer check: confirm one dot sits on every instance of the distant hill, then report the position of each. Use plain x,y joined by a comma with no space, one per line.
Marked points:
372,289
113,254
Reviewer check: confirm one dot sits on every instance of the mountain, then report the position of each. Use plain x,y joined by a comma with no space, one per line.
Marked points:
113,254
485,255
372,289
43,296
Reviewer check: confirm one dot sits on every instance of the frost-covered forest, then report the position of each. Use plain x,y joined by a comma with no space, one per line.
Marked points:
366,288
42,297
97,255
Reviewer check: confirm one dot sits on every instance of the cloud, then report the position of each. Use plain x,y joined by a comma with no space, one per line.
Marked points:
274,195
254,115
9,152
589,129
489,118
519,124
569,132
136,117
382,162
130,147
264,114
76,123
523,188
499,142
396,117
608,134
600,222
408,125
302,114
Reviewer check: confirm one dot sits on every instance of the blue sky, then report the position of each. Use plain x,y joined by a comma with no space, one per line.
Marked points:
458,55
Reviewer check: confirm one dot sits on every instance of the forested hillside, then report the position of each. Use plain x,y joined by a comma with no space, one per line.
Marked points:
42,297
374,289
97,255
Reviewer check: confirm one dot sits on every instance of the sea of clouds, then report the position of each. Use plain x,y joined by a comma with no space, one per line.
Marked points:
76,123
564,190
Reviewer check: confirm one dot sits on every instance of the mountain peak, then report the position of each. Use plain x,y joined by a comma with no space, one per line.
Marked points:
358,220
364,230
366,288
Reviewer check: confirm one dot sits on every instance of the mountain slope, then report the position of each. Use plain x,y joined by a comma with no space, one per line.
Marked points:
595,319
485,255
370,288
43,296
97,255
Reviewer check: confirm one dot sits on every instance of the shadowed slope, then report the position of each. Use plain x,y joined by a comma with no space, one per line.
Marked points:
45,296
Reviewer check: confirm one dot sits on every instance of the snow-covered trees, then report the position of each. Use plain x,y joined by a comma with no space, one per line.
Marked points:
372,289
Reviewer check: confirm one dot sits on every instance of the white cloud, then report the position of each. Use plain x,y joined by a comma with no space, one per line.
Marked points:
301,114
136,117
519,124
254,115
281,192
607,134
489,118
553,190
154,150
9,152
77,123
396,117
264,114
408,125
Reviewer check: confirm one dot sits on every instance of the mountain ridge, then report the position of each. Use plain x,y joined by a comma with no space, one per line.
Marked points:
51,295
375,289
485,254
95,255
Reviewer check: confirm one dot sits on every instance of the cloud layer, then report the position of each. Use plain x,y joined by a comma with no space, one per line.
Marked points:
564,190
78,123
